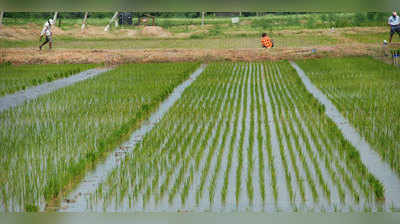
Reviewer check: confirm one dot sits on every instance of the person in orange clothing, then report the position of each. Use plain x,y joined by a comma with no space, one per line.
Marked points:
266,41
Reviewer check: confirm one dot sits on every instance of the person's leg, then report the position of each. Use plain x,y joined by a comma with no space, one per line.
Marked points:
45,42
398,30
50,42
391,34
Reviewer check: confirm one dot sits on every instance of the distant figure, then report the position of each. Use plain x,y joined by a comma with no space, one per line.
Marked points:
394,23
47,32
266,41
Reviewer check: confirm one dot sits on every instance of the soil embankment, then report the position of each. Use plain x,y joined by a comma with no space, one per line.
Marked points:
111,57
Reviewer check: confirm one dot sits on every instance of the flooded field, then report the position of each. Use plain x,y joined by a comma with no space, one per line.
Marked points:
242,137
247,137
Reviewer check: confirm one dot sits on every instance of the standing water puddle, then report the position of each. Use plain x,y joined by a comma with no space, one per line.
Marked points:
18,98
380,169
77,201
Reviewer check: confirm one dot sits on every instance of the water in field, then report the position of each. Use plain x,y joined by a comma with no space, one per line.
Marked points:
242,137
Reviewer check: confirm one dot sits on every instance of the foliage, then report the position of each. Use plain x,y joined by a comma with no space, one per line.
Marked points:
19,77
50,142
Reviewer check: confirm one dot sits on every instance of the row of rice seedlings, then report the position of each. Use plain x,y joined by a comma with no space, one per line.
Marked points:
182,156
240,152
190,153
140,153
105,119
359,172
291,147
307,143
232,104
311,126
239,87
179,157
346,179
263,107
365,91
288,176
189,157
170,149
259,137
283,96
19,77
249,182
212,148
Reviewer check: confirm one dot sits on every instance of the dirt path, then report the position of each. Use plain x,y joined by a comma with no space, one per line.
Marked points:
18,98
77,198
380,169
119,56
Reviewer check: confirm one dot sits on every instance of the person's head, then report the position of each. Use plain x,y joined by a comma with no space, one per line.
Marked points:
394,14
264,35
51,21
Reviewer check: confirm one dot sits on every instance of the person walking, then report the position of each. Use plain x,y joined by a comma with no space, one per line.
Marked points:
47,32
394,23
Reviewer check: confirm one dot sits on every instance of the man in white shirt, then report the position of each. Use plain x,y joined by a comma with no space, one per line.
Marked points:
47,32
394,23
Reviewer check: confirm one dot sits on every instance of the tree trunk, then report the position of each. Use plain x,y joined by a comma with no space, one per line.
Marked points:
107,28
240,14
1,17
202,18
55,18
84,21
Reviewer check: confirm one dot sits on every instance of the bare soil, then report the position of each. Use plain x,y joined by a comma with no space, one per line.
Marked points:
111,57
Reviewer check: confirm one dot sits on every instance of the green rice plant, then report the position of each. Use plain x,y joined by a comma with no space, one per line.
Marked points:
260,139
64,133
311,113
268,139
241,139
19,77
238,88
365,92
211,153
280,140
251,140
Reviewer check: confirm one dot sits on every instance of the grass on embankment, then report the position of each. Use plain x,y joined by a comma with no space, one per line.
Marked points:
229,42
49,142
367,92
14,78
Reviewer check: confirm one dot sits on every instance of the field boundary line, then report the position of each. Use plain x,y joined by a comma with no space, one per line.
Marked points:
18,98
77,198
370,158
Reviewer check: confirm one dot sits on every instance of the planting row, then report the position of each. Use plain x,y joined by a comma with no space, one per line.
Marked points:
48,143
367,92
14,78
242,137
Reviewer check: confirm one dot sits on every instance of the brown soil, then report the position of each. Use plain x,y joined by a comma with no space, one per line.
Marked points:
32,31
111,57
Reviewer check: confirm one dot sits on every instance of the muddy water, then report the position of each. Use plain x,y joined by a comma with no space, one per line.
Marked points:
18,98
380,169
93,179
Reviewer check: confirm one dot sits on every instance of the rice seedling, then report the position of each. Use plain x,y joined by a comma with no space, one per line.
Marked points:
63,134
215,150
366,92
19,77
